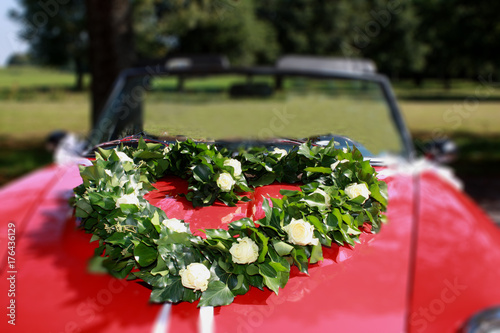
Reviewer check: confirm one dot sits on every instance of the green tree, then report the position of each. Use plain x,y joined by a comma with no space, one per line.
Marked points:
394,43
56,33
463,36
312,27
226,27
384,31
19,59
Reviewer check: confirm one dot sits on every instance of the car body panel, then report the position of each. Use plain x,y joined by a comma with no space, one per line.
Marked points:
57,294
20,198
53,290
457,260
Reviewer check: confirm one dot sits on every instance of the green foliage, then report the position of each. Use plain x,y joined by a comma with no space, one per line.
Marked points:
312,27
404,38
464,44
397,47
19,59
134,235
56,33
18,159
225,27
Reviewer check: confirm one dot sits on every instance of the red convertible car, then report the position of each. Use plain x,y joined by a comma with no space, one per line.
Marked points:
432,267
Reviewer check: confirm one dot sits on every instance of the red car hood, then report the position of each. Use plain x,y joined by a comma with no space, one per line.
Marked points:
356,290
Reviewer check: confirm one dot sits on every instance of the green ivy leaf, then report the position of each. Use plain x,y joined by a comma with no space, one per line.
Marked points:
252,269
216,294
105,153
379,192
202,173
118,238
318,225
145,155
218,233
242,287
319,170
265,179
83,208
315,200
145,255
265,269
263,245
96,266
281,247
305,151
273,283
242,224
173,291
256,280
290,193
161,267
316,254
300,259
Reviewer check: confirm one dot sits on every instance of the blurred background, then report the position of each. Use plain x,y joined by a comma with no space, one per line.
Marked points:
59,59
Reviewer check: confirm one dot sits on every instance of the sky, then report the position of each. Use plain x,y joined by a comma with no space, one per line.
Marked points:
9,43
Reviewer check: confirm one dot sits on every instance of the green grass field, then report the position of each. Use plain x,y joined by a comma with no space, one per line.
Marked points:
452,116
34,77
34,120
34,102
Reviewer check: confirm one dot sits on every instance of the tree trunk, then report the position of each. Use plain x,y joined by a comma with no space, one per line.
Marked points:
79,74
111,47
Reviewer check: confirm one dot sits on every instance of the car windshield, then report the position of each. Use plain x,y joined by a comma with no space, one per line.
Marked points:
248,106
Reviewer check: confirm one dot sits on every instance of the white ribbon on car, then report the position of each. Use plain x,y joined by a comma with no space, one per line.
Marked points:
69,151
205,320
401,166
163,320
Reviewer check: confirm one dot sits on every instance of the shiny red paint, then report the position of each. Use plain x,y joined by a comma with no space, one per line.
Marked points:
360,290
53,290
457,261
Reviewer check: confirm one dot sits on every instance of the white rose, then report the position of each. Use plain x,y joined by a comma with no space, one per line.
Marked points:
281,152
324,194
128,199
225,182
300,233
245,251
123,157
175,225
235,164
195,276
355,190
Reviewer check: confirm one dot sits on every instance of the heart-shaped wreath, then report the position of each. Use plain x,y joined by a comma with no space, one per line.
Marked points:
339,199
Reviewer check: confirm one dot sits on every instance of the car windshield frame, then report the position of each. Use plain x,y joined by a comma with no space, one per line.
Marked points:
141,77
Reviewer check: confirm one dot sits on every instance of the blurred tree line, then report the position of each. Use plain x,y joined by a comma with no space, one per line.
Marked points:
414,39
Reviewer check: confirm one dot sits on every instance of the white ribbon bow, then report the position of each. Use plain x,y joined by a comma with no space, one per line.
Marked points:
205,320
